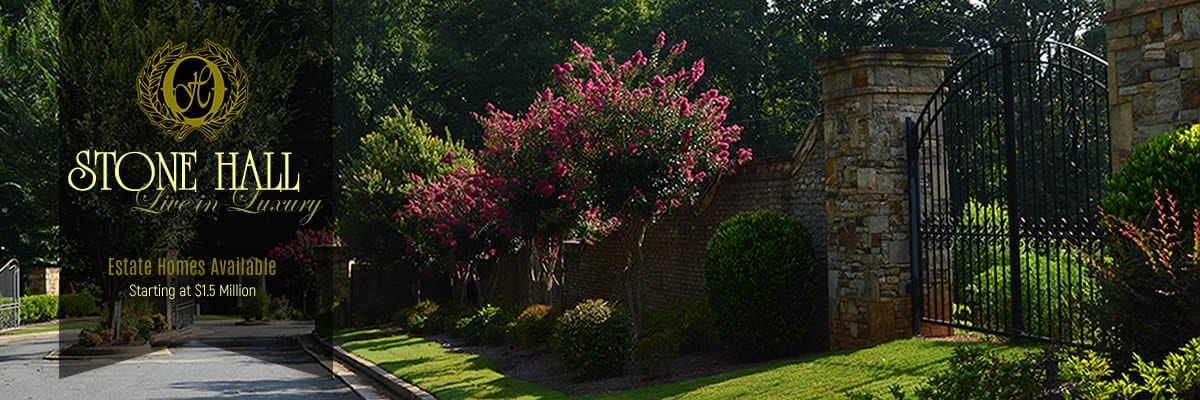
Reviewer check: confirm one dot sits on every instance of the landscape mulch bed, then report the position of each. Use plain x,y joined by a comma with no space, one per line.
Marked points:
541,367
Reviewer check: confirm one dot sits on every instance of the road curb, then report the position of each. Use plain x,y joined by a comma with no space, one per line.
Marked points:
29,337
175,336
395,386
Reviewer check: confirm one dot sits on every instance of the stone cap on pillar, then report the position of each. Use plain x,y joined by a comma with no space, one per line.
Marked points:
1122,9
869,70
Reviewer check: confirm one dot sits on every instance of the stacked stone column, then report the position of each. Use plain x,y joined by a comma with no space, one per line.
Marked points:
867,94
1153,48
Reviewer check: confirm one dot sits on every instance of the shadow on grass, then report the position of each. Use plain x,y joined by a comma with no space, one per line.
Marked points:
359,335
462,375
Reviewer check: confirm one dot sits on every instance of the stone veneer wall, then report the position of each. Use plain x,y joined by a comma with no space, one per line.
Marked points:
675,245
41,280
867,94
1153,49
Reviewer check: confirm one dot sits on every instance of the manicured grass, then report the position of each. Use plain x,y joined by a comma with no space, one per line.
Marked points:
830,376
217,317
49,328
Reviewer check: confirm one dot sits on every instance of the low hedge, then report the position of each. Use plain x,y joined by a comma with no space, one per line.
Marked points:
38,308
77,305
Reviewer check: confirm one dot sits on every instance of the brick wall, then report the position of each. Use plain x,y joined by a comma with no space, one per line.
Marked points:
674,246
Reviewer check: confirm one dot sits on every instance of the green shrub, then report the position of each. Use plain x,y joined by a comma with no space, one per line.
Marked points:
460,326
534,325
595,340
282,310
1149,281
38,308
1053,294
685,327
129,335
978,373
689,322
256,307
1168,161
94,336
654,353
374,181
759,274
148,325
486,326
77,305
423,317
1053,291
1177,377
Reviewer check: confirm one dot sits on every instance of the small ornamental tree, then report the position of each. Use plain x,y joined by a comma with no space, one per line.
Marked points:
375,181
608,144
457,221
297,262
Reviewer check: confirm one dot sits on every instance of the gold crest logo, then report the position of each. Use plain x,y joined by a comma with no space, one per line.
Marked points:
200,91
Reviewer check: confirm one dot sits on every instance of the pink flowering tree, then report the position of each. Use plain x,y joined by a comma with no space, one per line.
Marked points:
457,221
297,262
609,144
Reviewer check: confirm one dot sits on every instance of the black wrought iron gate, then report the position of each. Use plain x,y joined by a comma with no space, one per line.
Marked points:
1007,161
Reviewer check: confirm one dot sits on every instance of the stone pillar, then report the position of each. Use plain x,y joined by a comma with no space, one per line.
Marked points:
41,280
1153,48
867,94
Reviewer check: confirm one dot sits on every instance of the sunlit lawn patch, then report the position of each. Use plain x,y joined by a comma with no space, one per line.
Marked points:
450,375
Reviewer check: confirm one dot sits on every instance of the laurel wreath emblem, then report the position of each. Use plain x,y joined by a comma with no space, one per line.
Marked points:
173,123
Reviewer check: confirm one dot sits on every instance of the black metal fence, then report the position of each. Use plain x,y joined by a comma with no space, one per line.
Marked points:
10,295
1007,162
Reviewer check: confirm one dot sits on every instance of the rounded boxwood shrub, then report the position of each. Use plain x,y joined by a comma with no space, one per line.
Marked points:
595,339
77,305
1166,162
534,325
759,273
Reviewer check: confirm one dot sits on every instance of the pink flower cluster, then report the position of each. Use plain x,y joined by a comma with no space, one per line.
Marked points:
610,141
458,218
1161,243
607,142
298,253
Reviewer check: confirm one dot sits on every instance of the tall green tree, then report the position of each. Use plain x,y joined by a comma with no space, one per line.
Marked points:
29,129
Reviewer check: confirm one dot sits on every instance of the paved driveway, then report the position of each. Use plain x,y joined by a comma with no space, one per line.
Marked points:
226,361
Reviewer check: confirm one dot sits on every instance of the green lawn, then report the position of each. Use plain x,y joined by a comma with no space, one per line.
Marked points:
48,328
461,376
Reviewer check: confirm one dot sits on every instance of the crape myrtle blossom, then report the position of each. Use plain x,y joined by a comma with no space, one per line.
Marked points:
609,141
457,220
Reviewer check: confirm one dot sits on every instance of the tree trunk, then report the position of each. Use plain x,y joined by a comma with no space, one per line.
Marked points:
543,267
635,259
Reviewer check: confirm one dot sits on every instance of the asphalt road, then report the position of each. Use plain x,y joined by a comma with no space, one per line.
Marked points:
225,361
